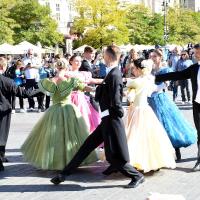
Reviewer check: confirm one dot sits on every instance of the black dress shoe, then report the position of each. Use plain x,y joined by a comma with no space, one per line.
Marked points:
58,179
178,154
4,159
135,183
110,170
197,165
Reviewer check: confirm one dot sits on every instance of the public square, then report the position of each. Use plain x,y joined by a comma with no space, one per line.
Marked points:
22,181
82,57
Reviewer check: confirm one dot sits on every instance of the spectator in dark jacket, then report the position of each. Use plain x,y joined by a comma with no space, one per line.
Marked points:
7,89
16,73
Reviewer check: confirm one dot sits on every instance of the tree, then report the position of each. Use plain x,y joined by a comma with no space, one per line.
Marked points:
145,27
6,23
155,31
35,23
184,26
100,23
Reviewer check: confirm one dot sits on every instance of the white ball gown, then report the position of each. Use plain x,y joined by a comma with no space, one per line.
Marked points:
148,142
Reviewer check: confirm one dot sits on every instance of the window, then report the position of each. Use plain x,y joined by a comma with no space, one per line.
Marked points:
58,16
47,4
57,7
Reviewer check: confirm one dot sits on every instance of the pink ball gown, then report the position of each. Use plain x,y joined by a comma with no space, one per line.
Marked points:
91,116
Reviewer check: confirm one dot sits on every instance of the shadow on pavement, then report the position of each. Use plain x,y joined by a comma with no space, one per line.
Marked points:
51,188
92,173
184,169
13,150
185,108
15,158
186,160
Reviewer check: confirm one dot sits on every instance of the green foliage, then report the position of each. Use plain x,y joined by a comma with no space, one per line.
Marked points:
148,28
145,27
184,26
100,23
27,20
35,23
6,23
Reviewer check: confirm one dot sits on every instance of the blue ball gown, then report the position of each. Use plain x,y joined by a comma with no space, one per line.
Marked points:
179,130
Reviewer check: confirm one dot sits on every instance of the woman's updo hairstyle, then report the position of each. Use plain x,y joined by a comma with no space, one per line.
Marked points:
62,64
144,65
138,63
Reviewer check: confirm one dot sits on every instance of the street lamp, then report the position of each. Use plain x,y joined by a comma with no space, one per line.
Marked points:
165,6
68,38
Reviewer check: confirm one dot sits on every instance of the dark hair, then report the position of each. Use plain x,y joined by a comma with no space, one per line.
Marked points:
138,63
197,46
58,56
72,58
114,52
18,63
186,53
67,55
88,49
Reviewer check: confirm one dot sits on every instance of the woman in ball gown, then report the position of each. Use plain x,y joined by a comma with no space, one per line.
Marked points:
148,142
179,130
61,131
91,116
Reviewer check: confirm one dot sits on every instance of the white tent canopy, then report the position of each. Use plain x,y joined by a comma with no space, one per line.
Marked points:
25,46
137,47
172,46
80,49
49,50
127,47
9,49
141,47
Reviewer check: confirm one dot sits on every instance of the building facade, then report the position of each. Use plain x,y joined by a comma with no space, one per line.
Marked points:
62,12
191,4
155,5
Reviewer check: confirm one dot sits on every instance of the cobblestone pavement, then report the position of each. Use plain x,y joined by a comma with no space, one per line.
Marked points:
24,182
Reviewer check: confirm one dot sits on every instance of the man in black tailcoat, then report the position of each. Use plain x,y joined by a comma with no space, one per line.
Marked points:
193,73
111,129
7,89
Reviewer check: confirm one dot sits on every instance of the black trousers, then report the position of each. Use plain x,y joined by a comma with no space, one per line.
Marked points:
5,119
31,83
196,115
113,155
13,102
47,101
184,86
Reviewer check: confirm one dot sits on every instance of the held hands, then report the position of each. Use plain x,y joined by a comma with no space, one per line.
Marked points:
89,89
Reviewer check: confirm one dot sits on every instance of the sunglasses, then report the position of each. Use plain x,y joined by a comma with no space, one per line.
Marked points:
183,54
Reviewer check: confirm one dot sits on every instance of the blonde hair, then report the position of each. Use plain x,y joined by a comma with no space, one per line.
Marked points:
62,63
3,63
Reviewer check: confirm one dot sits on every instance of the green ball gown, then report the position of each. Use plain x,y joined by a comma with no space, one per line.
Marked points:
60,132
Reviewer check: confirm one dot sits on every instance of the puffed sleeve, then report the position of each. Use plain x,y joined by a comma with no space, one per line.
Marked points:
78,84
131,83
131,95
47,86
67,86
